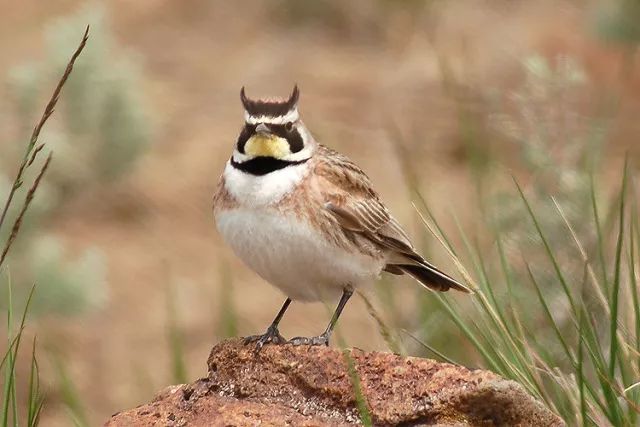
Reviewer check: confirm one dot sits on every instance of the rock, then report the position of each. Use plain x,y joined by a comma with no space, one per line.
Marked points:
312,386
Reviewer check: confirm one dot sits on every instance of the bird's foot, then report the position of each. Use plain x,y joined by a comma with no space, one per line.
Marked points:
319,340
271,336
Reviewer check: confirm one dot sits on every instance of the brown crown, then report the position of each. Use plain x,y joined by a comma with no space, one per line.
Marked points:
268,107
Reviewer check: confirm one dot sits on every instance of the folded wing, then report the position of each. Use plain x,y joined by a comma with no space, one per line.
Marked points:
362,212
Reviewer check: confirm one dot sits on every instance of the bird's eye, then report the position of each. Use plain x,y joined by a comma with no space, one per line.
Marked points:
288,126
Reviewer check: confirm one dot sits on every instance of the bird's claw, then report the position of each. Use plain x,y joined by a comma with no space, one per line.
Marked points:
319,340
271,336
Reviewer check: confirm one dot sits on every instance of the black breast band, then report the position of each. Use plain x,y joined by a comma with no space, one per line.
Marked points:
263,165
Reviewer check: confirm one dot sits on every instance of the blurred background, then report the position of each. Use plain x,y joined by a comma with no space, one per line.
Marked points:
439,102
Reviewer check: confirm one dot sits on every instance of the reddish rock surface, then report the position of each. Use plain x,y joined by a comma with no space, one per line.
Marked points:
312,386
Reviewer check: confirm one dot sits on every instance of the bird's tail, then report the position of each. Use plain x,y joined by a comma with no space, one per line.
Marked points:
432,278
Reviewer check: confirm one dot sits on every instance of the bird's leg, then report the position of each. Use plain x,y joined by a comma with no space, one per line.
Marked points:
324,338
272,335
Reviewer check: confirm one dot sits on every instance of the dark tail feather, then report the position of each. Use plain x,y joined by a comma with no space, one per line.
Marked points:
432,278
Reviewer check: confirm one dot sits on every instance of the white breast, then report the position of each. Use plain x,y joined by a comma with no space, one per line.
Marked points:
252,190
293,256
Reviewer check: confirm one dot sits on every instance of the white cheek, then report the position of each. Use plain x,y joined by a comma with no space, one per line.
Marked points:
305,153
266,189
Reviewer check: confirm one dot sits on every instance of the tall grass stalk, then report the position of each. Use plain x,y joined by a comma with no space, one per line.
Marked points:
70,395
362,405
228,318
33,149
10,414
176,338
581,354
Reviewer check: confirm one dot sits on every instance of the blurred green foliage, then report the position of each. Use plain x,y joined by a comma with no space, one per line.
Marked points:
12,413
103,125
228,318
363,20
102,128
555,261
619,21
559,147
66,287
574,342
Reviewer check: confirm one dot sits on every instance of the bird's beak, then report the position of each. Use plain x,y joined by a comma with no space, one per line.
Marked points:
262,128
264,143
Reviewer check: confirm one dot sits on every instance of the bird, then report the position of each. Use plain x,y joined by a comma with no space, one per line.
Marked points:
306,218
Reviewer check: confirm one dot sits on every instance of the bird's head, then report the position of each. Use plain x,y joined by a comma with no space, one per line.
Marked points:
273,130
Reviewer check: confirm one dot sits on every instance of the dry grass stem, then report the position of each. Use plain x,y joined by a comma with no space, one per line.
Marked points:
30,154
18,222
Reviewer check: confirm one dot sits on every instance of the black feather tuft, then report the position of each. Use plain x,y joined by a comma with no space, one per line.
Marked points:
270,108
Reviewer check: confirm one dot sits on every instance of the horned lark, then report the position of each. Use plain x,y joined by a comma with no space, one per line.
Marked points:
306,218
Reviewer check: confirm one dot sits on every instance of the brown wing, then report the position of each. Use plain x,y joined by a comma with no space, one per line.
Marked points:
358,208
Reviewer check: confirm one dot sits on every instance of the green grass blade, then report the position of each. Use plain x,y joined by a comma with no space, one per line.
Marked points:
615,297
612,408
552,322
386,296
385,331
493,307
633,284
434,228
8,374
10,401
580,371
548,250
431,349
490,304
34,403
12,343
228,321
361,401
596,285
504,265
440,233
460,323
600,244
633,279
175,338
69,393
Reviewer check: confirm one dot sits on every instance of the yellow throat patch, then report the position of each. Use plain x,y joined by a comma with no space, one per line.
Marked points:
269,145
